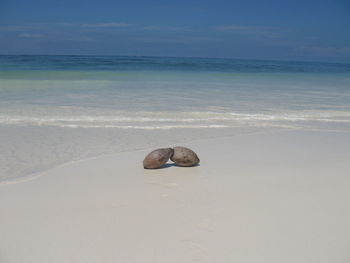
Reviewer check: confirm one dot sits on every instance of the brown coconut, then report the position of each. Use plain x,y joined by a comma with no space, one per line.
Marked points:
184,157
157,158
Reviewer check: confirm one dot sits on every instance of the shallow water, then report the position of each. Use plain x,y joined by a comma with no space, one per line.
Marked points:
84,103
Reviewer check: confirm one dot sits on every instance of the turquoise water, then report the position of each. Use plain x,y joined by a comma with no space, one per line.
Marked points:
57,109
165,93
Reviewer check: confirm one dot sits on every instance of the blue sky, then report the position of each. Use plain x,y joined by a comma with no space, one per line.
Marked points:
253,29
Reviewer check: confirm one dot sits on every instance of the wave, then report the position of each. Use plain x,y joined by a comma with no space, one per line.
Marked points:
164,127
173,120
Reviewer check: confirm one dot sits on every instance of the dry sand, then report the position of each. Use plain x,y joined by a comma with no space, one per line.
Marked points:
276,197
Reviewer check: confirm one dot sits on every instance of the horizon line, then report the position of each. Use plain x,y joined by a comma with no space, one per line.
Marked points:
186,57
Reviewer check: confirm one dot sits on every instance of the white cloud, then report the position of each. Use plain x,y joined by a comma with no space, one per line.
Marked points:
266,32
29,35
324,51
164,28
176,39
103,25
81,38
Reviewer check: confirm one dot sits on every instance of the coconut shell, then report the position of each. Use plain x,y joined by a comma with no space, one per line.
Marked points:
157,158
184,157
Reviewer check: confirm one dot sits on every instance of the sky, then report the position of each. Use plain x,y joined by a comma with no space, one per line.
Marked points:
303,30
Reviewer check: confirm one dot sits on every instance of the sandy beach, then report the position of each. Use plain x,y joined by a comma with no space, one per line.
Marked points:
265,197
259,90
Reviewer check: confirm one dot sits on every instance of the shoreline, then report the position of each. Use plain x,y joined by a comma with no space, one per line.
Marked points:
267,197
40,173
211,135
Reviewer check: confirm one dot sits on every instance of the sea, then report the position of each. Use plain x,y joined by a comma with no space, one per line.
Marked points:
59,109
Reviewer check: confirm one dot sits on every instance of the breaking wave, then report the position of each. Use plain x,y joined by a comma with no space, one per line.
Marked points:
175,120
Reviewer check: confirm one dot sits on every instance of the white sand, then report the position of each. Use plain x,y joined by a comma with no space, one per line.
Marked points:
278,197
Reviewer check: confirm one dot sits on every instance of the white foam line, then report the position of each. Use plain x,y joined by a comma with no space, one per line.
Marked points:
165,127
105,119
126,122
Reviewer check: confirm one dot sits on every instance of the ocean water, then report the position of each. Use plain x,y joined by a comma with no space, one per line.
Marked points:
55,109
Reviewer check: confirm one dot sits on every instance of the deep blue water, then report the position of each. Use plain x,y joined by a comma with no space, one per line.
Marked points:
126,63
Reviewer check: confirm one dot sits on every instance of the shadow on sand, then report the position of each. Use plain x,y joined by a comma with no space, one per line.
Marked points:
168,165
